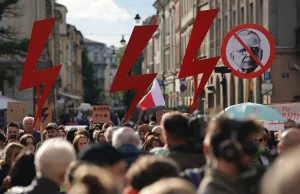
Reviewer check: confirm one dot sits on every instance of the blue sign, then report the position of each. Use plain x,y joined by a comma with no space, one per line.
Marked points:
182,79
267,76
285,75
160,82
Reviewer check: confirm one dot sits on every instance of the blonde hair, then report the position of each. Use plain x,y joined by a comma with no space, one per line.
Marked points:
91,179
10,152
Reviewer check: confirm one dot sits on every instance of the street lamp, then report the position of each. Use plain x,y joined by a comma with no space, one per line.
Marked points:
137,18
123,41
113,52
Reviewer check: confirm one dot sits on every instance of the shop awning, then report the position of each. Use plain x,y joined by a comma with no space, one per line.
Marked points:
4,100
70,96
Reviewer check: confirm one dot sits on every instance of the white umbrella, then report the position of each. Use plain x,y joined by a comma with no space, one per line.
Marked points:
85,107
4,100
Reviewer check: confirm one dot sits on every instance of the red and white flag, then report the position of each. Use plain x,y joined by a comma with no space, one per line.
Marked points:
153,98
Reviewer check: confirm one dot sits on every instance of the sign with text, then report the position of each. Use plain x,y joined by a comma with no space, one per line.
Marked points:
16,111
159,115
46,116
288,111
101,114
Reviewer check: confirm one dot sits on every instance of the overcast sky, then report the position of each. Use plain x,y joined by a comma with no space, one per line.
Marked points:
106,20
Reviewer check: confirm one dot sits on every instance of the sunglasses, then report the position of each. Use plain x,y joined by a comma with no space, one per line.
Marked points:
260,140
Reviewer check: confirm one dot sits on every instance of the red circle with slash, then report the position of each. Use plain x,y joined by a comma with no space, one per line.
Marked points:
263,67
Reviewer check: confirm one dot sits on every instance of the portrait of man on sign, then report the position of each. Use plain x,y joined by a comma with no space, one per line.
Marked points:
245,63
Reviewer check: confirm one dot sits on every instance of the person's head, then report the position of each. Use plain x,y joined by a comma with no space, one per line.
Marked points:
289,139
80,143
289,123
83,132
105,126
52,130
106,156
158,130
101,137
261,139
174,186
2,140
13,131
149,169
28,124
71,134
175,128
93,179
29,142
109,134
241,57
53,158
151,142
11,152
284,175
125,136
22,171
232,144
143,130
62,132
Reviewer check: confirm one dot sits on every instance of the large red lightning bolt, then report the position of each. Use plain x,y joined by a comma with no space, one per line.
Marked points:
32,77
190,65
138,41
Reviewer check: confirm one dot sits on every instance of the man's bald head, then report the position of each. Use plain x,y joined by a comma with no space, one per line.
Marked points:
289,139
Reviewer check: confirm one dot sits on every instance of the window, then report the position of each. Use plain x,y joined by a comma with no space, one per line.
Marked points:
233,18
95,56
226,25
261,13
251,19
219,32
242,20
167,59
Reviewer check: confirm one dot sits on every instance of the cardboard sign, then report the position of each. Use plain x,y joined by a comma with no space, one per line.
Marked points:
159,115
16,111
288,111
46,115
101,114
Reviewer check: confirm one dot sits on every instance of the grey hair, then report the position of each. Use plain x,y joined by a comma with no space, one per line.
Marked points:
125,136
53,158
27,118
109,133
291,121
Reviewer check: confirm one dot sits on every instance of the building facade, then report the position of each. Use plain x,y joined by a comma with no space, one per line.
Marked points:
70,94
271,14
32,11
96,54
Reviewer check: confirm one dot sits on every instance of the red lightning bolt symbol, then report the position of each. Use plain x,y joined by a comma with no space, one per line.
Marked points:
31,76
138,41
190,65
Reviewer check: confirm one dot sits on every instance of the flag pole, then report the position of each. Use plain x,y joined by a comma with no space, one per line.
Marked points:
140,116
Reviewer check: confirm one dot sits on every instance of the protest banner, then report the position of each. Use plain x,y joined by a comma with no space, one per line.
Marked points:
101,114
16,111
288,110
46,116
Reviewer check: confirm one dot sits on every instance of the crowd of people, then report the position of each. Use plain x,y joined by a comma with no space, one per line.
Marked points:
236,157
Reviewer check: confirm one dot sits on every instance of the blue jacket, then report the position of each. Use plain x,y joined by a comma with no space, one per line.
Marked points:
131,153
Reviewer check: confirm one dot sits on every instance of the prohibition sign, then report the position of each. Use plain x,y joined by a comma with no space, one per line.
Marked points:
248,50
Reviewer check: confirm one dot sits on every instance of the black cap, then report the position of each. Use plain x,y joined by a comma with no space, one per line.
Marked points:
101,154
52,126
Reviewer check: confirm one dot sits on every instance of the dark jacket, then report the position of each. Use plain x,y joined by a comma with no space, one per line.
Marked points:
38,186
131,153
4,170
186,157
216,182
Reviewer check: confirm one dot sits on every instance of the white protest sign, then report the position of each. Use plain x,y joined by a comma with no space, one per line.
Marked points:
288,111
274,126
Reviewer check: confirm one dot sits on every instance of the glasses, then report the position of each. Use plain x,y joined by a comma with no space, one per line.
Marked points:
260,140
288,127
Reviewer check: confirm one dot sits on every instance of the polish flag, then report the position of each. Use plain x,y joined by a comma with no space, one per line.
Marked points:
153,98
